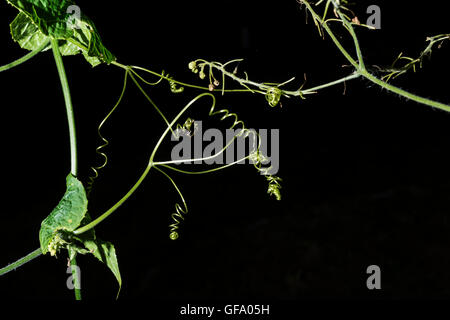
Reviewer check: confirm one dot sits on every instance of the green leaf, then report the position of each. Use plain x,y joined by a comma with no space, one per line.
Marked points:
26,33
71,212
50,16
106,253
65,218
40,19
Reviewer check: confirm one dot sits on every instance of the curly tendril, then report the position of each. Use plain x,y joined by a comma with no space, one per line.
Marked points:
189,128
177,217
274,186
174,88
255,156
273,96
105,143
180,211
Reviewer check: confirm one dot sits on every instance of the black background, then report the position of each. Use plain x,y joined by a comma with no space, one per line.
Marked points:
365,175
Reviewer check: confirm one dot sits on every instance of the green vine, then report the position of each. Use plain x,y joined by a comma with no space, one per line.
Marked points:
41,25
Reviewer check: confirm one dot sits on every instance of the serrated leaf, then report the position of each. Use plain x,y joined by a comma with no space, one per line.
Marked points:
39,20
67,216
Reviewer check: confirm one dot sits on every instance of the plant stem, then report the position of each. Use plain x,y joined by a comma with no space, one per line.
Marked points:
36,253
360,68
69,108
117,205
317,19
325,85
73,141
24,58
75,275
167,78
406,94
146,171
13,266
350,29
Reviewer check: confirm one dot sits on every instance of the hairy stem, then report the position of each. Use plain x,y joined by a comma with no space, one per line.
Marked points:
406,94
317,20
328,84
350,29
360,69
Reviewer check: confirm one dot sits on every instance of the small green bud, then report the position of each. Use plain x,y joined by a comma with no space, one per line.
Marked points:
202,75
192,65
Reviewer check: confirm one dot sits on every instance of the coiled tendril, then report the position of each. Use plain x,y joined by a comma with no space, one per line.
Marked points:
105,143
255,156
173,85
273,96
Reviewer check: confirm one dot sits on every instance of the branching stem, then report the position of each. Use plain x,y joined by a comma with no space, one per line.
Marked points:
360,68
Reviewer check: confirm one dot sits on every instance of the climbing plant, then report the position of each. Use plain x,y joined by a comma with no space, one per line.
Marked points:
62,28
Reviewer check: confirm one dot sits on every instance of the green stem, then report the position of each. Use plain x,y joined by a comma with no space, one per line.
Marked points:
25,57
350,29
360,69
73,142
325,85
115,206
165,77
75,275
318,19
404,93
69,108
36,253
146,171
263,87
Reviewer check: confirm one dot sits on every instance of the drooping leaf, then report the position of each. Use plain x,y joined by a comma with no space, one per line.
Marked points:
104,251
71,212
39,20
65,218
